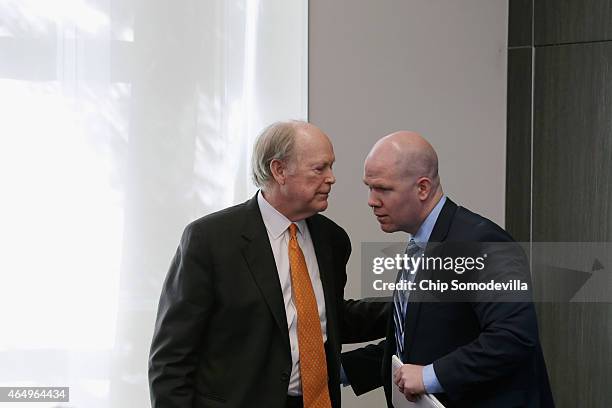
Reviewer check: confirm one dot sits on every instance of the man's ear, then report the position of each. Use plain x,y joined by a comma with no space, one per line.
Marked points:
424,188
279,171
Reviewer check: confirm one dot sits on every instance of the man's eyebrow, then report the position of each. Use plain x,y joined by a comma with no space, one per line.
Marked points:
377,184
324,162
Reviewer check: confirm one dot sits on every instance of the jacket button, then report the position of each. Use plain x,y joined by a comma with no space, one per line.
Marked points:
284,376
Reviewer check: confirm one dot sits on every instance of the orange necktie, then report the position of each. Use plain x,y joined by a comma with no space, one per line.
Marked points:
313,364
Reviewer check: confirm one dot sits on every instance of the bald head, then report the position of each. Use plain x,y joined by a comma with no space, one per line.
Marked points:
409,153
401,171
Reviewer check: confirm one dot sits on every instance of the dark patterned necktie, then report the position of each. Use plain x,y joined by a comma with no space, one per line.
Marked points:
400,300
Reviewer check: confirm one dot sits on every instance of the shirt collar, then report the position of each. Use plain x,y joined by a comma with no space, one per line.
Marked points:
275,222
426,228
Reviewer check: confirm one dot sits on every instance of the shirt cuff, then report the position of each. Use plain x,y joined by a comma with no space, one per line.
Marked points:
430,380
343,378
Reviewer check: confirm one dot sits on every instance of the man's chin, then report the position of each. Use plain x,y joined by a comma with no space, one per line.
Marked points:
387,227
318,206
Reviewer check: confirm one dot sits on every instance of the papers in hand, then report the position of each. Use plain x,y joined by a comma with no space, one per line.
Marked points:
399,399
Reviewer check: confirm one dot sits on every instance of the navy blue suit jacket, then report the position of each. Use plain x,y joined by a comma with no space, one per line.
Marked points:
485,353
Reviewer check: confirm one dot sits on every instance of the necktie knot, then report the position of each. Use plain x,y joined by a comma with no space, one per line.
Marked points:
412,247
293,231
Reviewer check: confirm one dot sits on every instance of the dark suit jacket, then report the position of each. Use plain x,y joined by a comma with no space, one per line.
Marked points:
485,353
221,336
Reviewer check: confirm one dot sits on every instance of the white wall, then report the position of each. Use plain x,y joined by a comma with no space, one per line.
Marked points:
435,66
122,121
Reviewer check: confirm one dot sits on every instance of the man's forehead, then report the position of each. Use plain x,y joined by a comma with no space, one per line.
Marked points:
374,167
310,160
377,176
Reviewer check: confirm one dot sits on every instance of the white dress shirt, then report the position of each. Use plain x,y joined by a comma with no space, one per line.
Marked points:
277,226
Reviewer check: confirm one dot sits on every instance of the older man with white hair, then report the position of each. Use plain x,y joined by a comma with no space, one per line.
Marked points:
252,312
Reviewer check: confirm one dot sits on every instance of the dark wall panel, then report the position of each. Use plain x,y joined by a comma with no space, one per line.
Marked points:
520,23
572,185
577,350
570,21
572,192
518,144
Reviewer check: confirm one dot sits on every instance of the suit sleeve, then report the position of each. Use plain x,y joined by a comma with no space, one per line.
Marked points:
363,367
184,307
364,320
360,320
508,330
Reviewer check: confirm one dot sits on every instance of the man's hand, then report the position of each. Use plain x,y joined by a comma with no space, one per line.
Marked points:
409,379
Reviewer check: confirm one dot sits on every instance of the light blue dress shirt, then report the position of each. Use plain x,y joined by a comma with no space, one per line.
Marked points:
430,380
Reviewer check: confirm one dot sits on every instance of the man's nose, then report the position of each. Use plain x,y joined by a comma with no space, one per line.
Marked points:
373,201
331,179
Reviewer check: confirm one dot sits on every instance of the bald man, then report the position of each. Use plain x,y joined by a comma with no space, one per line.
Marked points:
252,312
476,353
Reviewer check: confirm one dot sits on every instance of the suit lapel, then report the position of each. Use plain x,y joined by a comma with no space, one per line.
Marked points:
259,257
323,251
438,234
